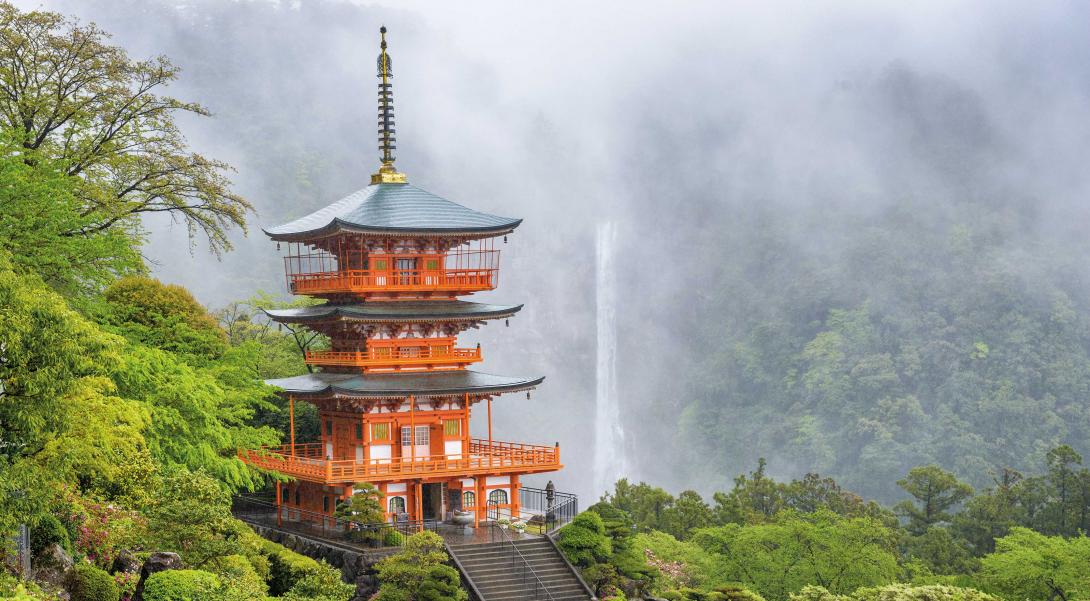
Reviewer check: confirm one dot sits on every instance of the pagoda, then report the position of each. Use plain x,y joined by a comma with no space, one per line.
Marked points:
394,392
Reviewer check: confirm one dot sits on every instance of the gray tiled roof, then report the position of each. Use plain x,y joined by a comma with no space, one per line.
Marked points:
393,208
453,310
394,385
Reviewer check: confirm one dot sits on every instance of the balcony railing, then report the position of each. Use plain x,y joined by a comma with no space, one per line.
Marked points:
425,354
413,280
306,462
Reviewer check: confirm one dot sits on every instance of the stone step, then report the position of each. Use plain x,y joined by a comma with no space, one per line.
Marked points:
489,566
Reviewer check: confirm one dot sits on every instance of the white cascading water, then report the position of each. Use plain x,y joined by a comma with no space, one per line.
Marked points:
608,432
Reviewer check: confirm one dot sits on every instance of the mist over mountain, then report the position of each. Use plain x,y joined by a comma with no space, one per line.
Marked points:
852,238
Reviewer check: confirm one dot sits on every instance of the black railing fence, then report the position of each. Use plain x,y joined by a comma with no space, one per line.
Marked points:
550,507
262,510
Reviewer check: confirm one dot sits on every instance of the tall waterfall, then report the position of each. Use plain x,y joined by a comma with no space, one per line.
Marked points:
608,433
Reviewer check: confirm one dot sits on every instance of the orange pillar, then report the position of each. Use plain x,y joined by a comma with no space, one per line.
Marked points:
490,431
412,428
279,494
291,419
418,488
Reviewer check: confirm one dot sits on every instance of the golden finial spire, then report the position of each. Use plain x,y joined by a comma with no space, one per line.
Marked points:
387,173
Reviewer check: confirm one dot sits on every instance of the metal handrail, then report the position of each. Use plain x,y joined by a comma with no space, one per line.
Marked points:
539,586
264,511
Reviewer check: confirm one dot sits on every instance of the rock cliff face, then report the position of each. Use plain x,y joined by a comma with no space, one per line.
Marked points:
356,566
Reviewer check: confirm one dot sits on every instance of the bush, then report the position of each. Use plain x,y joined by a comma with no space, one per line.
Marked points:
392,538
88,583
584,540
49,530
181,585
324,585
238,579
286,568
442,584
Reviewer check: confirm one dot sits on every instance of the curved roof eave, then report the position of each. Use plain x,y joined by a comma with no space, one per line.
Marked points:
337,226
399,311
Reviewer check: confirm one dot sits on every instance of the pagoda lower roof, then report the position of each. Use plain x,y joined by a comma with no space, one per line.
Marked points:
390,209
395,311
402,385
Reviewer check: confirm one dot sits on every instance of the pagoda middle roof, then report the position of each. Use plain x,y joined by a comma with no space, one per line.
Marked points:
389,209
402,385
395,311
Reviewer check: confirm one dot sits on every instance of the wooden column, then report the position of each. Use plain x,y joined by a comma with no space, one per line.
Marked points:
291,419
279,495
412,428
490,431
514,500
418,488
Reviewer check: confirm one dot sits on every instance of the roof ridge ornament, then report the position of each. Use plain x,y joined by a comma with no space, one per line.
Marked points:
387,173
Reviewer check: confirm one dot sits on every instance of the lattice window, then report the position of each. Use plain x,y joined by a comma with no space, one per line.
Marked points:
469,499
497,497
452,427
397,505
380,431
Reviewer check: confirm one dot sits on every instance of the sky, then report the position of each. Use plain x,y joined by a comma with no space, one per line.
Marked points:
664,118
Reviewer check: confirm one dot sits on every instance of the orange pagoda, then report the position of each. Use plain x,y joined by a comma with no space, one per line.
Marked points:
394,391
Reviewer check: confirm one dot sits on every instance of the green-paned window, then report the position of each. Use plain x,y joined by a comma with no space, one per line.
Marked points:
497,497
451,427
325,504
329,427
297,496
432,264
397,505
380,264
469,499
380,431
359,431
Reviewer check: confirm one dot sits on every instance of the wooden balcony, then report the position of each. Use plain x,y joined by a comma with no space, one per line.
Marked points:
306,463
422,354
369,282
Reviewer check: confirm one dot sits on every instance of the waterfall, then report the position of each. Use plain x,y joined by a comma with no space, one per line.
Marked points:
608,433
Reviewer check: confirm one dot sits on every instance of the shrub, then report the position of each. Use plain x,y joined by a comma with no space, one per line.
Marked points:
88,583
403,574
323,585
49,530
238,579
442,584
181,585
584,540
287,567
392,538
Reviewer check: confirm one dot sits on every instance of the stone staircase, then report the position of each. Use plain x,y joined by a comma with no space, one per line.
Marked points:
498,574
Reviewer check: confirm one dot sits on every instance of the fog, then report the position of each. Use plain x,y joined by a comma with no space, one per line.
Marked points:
683,123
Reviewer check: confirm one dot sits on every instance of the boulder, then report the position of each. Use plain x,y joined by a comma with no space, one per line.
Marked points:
52,565
157,562
125,561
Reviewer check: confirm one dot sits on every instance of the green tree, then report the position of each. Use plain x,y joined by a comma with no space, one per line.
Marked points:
1063,514
584,540
192,516
164,316
687,513
940,551
643,502
775,559
70,96
935,491
1031,565
991,514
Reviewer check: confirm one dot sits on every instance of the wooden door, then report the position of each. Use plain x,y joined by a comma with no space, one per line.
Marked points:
344,439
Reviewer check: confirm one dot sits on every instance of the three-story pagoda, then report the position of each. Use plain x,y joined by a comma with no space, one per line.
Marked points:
394,393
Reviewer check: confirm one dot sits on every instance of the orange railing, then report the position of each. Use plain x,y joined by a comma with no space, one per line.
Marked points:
307,464
385,358
416,280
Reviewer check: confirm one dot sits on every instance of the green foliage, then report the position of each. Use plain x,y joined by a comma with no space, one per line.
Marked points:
88,583
192,516
781,557
1030,565
935,491
939,551
895,592
164,316
584,540
403,574
643,502
442,583
687,513
723,593
324,584
286,567
365,507
100,122
181,585
238,579
48,531
39,208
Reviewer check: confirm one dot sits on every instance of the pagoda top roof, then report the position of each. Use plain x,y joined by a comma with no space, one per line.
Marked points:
393,209
395,311
402,385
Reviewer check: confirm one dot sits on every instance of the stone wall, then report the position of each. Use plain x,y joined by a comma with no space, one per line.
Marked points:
356,565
